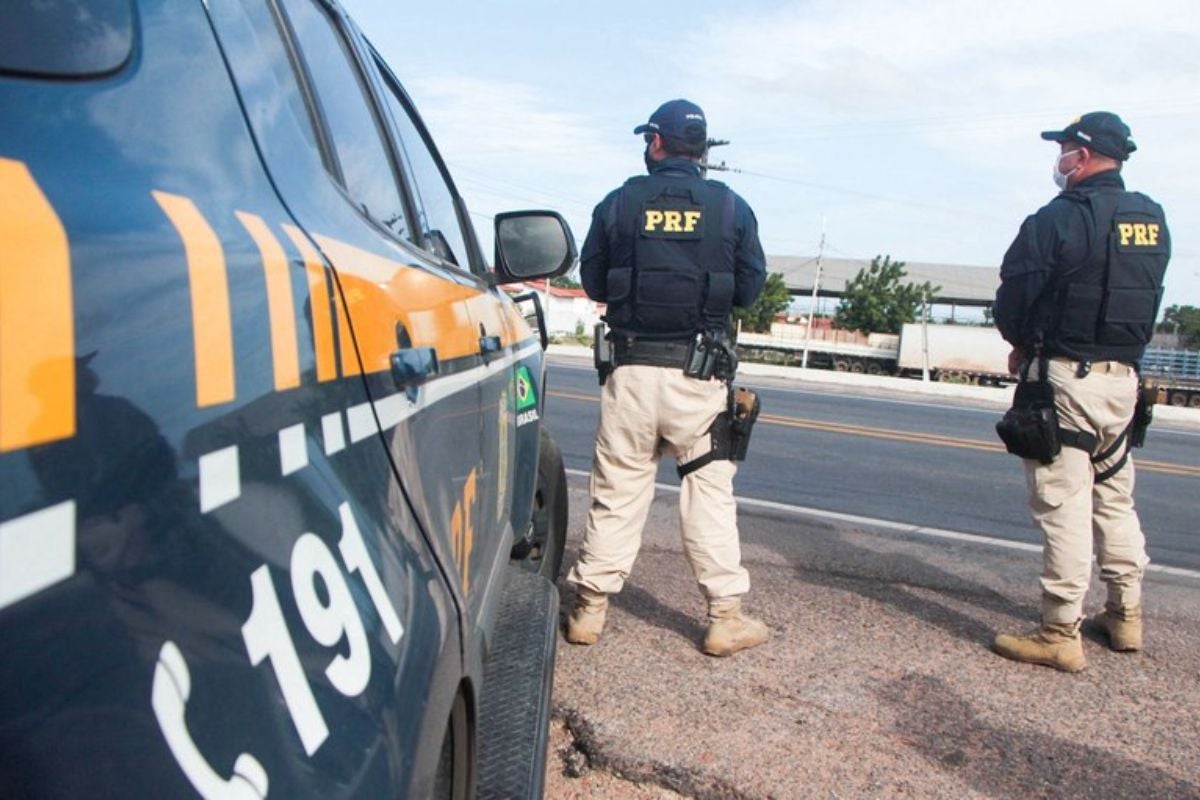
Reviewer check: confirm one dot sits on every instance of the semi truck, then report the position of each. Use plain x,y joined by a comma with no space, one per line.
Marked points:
1176,373
952,353
957,353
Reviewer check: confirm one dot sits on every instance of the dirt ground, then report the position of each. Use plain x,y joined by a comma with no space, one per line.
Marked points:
878,681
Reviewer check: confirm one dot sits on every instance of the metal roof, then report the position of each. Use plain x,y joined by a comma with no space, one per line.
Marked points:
961,285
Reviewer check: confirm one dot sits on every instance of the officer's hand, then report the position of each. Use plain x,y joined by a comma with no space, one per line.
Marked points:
1014,360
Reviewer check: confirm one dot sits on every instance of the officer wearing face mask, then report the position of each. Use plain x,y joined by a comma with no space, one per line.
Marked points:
671,254
1079,295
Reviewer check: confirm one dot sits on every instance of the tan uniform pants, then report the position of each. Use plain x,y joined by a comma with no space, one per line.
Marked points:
1074,511
644,412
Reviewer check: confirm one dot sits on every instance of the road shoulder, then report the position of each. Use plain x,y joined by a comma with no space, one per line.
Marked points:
878,681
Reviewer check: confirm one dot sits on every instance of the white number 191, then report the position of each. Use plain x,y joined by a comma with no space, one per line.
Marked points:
328,621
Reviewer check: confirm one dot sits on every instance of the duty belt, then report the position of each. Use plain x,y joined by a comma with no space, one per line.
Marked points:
1083,368
650,352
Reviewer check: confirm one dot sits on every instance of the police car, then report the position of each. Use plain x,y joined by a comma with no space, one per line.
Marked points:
277,515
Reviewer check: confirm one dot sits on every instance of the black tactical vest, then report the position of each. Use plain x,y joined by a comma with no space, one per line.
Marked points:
672,242
1105,310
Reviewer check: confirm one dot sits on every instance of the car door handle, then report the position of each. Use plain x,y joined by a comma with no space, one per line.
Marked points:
412,366
488,345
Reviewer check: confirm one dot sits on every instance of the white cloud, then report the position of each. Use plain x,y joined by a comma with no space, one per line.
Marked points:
934,104
939,102
507,148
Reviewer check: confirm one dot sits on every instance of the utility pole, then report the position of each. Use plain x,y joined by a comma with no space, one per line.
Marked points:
812,304
924,335
704,165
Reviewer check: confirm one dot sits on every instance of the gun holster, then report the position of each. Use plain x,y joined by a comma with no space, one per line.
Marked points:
730,431
1030,428
1143,414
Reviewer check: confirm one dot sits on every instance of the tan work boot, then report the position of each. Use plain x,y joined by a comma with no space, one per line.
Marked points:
1122,626
585,623
1052,645
729,630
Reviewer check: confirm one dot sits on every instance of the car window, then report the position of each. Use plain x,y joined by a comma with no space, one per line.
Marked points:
264,70
366,169
437,216
66,40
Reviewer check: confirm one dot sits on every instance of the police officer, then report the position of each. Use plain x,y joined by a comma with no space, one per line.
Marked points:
1081,285
671,254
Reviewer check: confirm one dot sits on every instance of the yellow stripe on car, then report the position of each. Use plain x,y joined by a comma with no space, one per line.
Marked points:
212,327
284,350
37,328
318,301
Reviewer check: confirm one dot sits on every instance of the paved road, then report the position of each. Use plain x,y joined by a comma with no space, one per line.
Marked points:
903,459
877,681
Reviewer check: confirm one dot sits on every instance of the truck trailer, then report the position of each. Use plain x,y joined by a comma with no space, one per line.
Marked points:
952,353
1176,373
958,353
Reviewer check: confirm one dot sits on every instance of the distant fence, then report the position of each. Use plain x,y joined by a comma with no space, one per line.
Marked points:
1168,361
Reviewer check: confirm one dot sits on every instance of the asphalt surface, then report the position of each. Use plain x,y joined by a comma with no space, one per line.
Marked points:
924,461
878,681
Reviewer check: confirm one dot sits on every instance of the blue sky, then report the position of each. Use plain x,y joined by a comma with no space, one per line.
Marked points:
909,128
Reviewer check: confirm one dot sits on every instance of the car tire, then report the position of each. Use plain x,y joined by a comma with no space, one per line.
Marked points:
453,780
543,552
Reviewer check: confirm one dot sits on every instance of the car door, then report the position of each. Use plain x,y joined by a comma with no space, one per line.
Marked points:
221,590
446,231
342,183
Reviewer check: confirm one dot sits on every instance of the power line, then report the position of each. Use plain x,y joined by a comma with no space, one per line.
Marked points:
956,122
488,180
956,212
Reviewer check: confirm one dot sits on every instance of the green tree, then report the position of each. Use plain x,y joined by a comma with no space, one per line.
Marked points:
773,299
1183,320
878,300
565,282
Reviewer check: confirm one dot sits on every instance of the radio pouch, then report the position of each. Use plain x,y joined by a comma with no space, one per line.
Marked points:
1030,428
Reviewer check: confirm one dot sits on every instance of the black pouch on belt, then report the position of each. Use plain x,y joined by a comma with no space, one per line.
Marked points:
1030,428
601,353
702,358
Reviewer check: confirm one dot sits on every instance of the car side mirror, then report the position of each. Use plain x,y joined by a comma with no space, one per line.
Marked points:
532,244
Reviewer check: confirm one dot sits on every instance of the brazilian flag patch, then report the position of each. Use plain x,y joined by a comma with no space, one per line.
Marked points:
527,400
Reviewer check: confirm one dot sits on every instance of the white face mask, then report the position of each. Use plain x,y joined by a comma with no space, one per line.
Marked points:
1060,178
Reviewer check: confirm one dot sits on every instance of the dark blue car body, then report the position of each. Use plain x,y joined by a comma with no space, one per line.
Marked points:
266,439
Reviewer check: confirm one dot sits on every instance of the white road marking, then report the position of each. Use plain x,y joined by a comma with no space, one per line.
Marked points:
37,550
900,527
220,478
333,433
293,449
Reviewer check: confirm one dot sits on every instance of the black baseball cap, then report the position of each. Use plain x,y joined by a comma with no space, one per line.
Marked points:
1102,131
681,119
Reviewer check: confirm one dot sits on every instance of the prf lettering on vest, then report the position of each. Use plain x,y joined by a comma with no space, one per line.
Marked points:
1143,234
672,221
